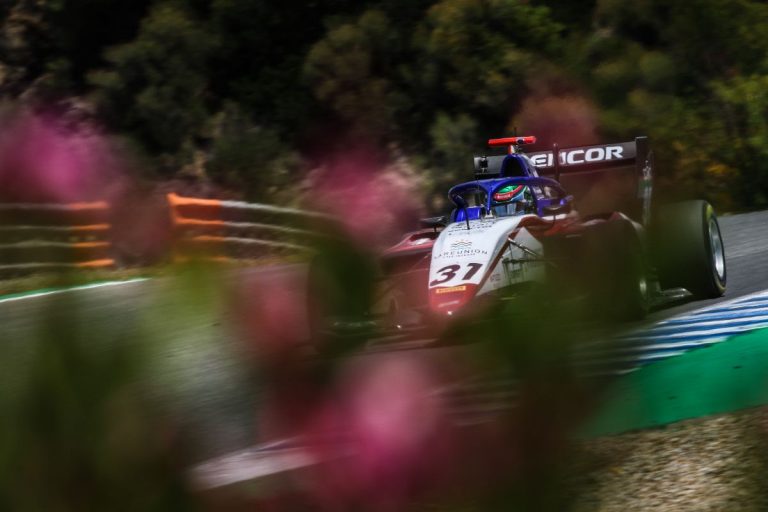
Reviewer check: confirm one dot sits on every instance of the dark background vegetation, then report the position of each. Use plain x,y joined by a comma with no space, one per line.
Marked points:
252,94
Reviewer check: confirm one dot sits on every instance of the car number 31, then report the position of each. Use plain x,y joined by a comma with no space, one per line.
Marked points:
450,272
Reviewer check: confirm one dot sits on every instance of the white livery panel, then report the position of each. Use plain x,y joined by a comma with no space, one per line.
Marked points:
462,256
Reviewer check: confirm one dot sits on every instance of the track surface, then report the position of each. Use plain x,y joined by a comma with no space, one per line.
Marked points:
746,250
671,331
199,374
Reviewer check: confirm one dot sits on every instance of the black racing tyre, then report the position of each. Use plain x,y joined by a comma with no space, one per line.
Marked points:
619,277
689,250
317,310
340,281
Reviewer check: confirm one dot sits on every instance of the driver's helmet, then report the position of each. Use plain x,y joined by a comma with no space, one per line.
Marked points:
511,200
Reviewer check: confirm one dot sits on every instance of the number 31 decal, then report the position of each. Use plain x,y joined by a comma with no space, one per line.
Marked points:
449,273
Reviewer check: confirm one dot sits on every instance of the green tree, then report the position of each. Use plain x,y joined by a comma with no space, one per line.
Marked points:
465,58
478,55
688,75
155,86
49,46
352,70
743,106
83,29
250,159
259,61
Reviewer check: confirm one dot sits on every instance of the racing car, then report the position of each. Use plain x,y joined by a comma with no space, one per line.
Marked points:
578,218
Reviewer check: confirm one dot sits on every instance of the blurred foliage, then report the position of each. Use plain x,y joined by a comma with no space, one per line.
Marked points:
343,71
156,84
249,158
79,432
431,79
676,71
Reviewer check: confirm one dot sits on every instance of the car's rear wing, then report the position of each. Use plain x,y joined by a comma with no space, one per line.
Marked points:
603,178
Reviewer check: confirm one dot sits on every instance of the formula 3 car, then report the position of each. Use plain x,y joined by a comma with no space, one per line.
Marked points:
579,219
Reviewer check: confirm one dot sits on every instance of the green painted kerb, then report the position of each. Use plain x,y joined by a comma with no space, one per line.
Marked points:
725,377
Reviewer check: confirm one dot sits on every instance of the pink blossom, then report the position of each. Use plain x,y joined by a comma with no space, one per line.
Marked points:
374,202
565,120
270,310
384,435
43,161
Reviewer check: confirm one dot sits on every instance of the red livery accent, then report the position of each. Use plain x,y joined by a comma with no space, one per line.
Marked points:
506,196
413,243
512,142
540,228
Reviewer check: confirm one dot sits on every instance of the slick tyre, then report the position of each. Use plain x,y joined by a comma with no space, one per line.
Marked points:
317,311
690,251
620,272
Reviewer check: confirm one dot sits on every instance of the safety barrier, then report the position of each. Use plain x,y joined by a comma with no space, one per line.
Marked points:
38,237
235,230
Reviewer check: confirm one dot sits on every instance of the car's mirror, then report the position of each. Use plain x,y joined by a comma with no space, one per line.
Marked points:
434,222
459,201
481,164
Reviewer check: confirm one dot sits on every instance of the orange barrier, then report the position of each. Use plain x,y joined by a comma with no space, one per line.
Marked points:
33,267
58,229
221,230
94,205
54,236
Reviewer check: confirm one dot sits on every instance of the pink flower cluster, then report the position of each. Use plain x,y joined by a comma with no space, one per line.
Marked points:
374,202
41,160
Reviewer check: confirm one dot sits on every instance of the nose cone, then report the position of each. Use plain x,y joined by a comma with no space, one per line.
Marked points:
447,300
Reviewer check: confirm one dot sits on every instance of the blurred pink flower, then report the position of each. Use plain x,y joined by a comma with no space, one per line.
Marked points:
270,312
565,120
270,316
142,233
374,202
384,435
43,161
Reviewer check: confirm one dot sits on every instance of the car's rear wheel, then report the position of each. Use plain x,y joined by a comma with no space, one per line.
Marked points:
621,282
689,249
